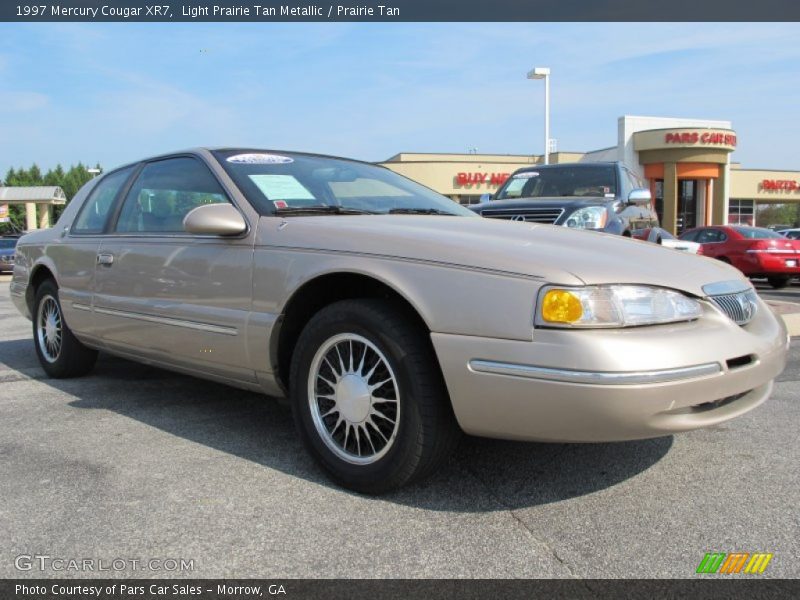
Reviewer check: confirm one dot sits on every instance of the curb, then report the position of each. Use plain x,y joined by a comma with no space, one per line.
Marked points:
789,312
792,321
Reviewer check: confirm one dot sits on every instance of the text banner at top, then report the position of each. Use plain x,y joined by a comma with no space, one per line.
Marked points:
399,10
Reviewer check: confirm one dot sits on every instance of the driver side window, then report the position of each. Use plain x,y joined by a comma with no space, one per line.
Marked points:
165,192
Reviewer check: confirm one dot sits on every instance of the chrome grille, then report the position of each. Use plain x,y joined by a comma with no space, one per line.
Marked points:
740,307
531,215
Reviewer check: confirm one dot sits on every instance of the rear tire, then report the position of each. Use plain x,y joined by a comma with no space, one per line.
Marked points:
368,397
60,353
778,283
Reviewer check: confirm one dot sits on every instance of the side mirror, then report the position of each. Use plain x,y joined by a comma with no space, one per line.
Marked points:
485,197
215,219
639,197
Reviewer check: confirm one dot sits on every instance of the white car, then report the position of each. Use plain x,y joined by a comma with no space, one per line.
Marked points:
666,239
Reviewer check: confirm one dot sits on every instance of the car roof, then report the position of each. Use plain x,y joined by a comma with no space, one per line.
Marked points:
243,149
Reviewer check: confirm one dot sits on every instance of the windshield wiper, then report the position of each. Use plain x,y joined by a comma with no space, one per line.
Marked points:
322,209
419,211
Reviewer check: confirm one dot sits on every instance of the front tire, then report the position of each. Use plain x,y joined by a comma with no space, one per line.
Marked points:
368,398
778,283
60,353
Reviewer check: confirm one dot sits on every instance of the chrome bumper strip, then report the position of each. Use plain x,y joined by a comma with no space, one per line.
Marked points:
167,321
593,377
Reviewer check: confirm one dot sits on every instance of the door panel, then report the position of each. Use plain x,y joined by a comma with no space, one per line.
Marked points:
164,294
183,300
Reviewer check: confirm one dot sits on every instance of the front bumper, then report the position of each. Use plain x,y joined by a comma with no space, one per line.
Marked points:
613,385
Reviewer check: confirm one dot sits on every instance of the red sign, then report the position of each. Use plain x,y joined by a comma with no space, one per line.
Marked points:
788,185
709,138
481,178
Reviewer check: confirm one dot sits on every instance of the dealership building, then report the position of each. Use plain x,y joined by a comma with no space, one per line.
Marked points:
685,162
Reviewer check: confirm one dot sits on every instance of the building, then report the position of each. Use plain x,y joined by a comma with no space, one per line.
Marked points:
686,163
36,199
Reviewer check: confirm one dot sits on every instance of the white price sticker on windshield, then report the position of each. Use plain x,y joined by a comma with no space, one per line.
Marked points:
260,159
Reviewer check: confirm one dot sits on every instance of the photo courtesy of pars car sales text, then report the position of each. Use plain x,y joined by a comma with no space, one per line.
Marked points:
163,589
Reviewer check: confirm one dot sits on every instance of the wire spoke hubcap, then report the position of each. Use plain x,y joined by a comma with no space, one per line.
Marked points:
354,398
49,328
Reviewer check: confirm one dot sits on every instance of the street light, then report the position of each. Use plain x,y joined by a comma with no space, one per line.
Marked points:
94,172
544,73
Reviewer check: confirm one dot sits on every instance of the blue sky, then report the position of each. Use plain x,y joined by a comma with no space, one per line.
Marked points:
117,92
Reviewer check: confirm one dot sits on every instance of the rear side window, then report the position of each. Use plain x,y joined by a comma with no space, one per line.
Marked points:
708,236
689,236
93,215
165,192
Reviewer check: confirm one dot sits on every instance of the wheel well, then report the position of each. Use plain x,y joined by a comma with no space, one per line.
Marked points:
626,233
40,274
317,294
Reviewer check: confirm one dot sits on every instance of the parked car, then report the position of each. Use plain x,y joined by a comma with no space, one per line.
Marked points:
755,251
656,235
792,234
605,197
391,317
7,246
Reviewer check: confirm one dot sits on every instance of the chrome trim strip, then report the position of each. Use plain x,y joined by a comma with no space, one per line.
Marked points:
726,287
593,377
168,321
79,306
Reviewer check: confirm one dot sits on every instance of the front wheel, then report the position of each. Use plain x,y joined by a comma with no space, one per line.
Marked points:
368,397
778,282
60,353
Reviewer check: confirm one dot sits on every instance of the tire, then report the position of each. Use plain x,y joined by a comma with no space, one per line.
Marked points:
406,425
778,282
724,259
60,353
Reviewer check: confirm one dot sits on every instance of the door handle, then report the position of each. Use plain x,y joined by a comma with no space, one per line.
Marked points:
104,258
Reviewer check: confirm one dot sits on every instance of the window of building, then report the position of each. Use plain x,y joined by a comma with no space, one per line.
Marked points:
741,212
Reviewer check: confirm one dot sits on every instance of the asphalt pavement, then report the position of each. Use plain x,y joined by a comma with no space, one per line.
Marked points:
137,463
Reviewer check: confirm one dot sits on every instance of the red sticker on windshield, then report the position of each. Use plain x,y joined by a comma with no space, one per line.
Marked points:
280,204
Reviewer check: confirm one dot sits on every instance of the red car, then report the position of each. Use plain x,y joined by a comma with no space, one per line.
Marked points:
756,251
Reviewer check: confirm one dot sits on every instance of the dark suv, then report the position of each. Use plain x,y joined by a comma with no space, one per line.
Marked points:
601,196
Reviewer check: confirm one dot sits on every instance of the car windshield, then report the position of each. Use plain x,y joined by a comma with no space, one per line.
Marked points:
297,184
758,233
548,182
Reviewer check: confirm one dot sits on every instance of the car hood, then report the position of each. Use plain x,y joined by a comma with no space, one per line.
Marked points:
543,202
555,254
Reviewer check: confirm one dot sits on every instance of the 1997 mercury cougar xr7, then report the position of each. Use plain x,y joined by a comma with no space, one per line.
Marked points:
391,317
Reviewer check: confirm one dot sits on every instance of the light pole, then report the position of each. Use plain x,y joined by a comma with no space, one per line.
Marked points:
544,73
94,172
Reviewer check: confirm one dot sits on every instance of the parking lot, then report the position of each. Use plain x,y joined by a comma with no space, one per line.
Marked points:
134,462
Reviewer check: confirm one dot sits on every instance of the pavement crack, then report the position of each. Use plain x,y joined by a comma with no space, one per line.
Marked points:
530,532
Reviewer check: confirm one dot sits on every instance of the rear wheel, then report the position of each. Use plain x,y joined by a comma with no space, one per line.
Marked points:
368,398
60,353
778,282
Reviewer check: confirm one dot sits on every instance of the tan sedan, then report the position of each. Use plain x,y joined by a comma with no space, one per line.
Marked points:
393,318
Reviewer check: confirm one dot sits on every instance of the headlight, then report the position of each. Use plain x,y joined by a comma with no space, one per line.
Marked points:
591,217
613,306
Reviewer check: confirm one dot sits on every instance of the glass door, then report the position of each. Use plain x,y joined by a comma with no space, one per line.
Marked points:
687,205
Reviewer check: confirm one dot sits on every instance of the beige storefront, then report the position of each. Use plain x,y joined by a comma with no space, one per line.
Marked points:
685,162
